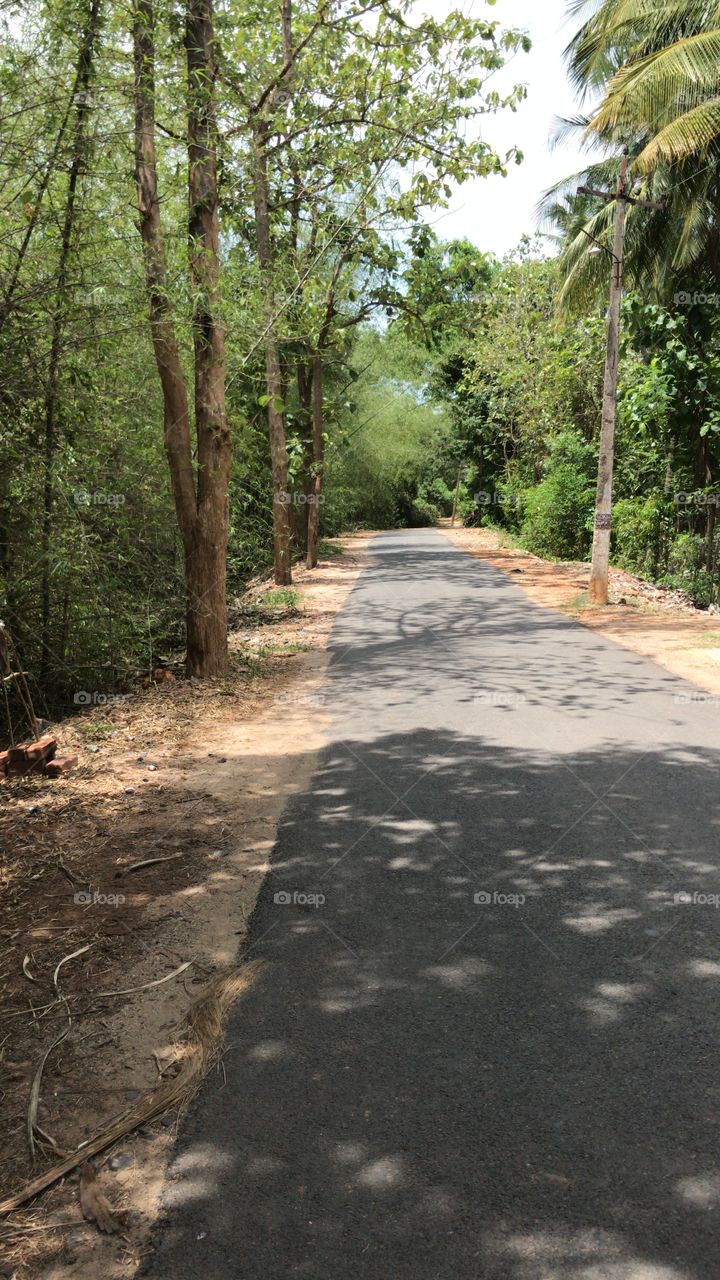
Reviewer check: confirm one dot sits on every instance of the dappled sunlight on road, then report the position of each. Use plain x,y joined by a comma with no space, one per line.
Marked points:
484,1040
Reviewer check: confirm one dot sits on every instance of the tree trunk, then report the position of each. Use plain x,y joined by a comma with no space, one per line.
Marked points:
78,160
273,368
600,564
316,488
202,513
304,381
207,653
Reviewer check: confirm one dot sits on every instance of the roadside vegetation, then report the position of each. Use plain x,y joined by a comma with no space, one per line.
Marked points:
201,210
515,349
227,330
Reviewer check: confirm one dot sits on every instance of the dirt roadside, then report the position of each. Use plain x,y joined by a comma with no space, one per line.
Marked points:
641,617
188,779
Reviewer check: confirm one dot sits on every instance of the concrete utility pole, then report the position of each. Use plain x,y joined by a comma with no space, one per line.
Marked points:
603,502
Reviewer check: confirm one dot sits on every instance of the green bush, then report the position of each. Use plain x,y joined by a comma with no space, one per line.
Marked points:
686,570
421,514
437,494
641,531
558,514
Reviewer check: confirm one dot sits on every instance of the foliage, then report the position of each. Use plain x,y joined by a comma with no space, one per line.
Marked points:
385,462
557,519
361,141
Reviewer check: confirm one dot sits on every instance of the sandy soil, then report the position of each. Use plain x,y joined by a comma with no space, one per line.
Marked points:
640,617
195,774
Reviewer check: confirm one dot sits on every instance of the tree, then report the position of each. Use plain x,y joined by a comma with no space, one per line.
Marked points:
339,106
201,495
659,68
655,68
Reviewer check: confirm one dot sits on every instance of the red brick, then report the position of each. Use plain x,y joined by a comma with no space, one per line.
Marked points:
27,757
60,765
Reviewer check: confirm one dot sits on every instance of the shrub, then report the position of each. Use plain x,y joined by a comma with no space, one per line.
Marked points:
558,515
641,531
438,494
686,570
422,514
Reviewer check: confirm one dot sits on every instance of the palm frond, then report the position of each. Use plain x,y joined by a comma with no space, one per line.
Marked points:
690,134
656,86
622,30
569,129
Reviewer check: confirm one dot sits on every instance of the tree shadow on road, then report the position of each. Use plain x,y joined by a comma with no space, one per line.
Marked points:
484,1042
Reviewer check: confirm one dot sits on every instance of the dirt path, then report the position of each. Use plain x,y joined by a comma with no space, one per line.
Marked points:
195,776
643,618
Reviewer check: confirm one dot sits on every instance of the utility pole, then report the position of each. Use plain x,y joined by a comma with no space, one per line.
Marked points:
603,501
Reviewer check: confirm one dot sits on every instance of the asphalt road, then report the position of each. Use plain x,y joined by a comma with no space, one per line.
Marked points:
423,1085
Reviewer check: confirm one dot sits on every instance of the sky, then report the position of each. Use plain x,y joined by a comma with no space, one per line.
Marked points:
495,212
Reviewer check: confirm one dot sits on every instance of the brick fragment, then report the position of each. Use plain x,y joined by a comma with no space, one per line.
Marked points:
61,764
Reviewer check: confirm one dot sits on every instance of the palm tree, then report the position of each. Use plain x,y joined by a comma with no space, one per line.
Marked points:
656,66
658,63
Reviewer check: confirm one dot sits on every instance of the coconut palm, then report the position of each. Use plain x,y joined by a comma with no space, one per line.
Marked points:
656,66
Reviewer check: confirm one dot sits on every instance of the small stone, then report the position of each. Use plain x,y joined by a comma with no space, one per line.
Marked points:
132,1094
122,1160
76,1239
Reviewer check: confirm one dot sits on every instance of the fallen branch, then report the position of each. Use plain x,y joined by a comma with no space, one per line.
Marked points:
148,862
205,1020
35,1094
101,995
81,951
70,874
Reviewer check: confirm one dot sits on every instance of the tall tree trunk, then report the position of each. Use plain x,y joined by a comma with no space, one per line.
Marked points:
273,367
304,381
78,160
316,489
202,513
207,573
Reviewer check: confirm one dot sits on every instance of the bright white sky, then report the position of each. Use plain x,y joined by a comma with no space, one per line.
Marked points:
494,212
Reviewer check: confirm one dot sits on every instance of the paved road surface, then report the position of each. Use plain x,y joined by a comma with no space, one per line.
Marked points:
422,1086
